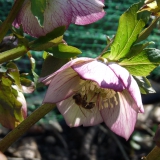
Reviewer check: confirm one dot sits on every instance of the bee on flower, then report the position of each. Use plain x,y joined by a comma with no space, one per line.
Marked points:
89,91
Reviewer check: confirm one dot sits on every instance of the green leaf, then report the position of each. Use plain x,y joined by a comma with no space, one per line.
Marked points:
137,48
106,54
57,32
2,69
146,32
38,7
52,64
64,51
25,82
143,63
144,85
13,72
45,54
10,107
129,28
154,55
33,65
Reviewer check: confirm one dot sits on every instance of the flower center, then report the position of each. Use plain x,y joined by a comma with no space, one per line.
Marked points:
91,95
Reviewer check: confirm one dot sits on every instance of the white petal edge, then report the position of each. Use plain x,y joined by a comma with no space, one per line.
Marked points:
62,86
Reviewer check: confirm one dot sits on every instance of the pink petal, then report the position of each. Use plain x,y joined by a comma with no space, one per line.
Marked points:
121,118
57,13
87,11
76,116
129,83
21,99
100,73
62,86
47,80
28,89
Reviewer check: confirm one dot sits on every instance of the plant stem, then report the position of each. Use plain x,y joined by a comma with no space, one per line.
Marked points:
13,53
106,48
25,125
10,18
153,155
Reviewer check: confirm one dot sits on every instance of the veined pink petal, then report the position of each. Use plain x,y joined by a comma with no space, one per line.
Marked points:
47,80
75,115
100,73
122,117
57,13
86,11
129,83
62,86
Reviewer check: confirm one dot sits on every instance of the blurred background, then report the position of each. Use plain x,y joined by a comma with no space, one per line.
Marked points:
51,138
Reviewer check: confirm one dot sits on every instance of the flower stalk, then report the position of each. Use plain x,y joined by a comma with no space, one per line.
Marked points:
12,15
12,136
13,53
154,154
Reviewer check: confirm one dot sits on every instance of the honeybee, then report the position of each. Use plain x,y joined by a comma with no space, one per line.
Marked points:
82,101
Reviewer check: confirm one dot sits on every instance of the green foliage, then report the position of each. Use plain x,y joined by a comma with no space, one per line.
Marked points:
38,8
10,107
146,32
128,30
33,65
51,64
144,85
143,63
13,72
64,51
48,37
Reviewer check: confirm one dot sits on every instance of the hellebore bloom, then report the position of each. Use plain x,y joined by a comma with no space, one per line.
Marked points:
88,91
59,13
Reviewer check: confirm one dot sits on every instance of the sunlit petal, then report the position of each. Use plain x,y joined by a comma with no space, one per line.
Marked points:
71,112
75,115
47,80
129,83
62,86
122,117
100,73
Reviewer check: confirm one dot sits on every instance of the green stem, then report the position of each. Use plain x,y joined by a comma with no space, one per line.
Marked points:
11,17
13,53
106,48
25,125
154,154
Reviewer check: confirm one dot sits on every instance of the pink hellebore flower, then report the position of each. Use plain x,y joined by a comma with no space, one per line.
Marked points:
59,13
88,92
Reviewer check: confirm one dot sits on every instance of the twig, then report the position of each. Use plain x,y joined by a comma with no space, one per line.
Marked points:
25,125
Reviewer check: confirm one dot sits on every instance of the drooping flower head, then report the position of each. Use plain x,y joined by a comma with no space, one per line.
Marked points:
59,13
88,92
